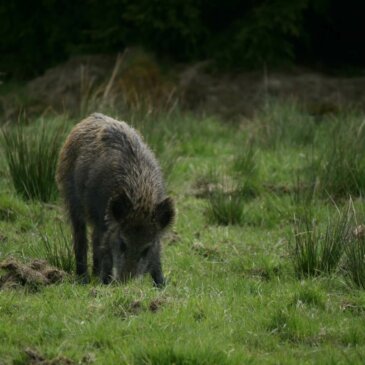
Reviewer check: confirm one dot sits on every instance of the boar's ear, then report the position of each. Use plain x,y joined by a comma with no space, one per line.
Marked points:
164,213
120,206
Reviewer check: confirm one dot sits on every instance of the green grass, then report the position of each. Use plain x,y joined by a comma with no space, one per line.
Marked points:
233,294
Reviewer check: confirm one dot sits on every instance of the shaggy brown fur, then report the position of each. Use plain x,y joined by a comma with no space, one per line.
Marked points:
109,178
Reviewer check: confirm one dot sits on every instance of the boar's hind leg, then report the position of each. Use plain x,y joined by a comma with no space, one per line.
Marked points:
97,237
80,244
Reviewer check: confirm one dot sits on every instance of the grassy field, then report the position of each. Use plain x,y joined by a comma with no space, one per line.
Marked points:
265,263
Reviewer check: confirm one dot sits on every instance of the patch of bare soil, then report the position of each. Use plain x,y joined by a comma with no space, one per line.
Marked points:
156,304
211,253
203,188
31,275
137,307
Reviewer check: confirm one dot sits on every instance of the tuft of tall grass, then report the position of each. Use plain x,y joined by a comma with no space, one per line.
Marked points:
11,208
226,208
355,262
245,171
301,201
309,295
338,169
292,325
284,124
316,251
56,250
31,156
226,203
245,163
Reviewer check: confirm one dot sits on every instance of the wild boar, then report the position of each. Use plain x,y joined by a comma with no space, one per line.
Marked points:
111,180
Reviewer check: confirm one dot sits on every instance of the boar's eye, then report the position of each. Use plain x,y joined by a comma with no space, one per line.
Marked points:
123,246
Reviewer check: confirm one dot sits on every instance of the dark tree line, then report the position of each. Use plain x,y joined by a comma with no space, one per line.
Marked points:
235,34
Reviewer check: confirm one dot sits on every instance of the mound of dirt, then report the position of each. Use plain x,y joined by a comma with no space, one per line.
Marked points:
134,79
232,95
156,304
62,88
84,83
35,358
32,275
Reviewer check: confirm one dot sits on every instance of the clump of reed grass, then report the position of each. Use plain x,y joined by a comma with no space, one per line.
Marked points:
284,124
245,171
228,194
316,250
56,249
355,262
338,168
226,202
31,155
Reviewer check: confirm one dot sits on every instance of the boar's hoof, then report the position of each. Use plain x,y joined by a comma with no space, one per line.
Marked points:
83,279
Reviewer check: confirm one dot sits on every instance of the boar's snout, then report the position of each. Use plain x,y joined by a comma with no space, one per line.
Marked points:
129,269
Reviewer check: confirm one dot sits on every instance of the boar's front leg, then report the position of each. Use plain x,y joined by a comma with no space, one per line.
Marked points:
106,267
97,256
158,277
155,267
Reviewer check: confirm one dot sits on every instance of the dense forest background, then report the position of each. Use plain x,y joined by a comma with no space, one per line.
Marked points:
234,34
